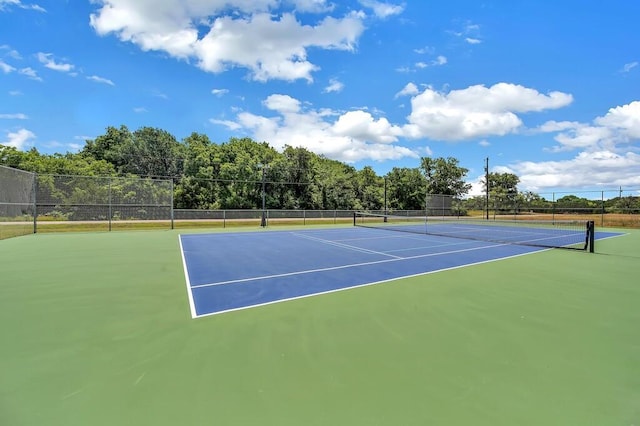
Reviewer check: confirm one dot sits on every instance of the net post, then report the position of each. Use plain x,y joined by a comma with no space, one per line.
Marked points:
591,231
354,218
602,211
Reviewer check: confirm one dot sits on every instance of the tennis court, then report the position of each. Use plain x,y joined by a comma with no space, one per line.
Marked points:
226,272
97,330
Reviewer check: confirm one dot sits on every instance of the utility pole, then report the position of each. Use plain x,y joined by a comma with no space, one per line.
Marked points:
385,201
263,222
385,195
427,169
486,180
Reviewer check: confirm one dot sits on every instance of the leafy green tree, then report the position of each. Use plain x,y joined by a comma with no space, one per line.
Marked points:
279,192
531,202
11,157
61,164
503,191
505,182
147,152
369,190
115,147
301,172
154,153
197,188
629,204
475,203
575,204
444,176
406,189
239,167
338,185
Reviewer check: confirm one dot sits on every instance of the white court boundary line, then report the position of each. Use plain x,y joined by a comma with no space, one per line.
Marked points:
192,305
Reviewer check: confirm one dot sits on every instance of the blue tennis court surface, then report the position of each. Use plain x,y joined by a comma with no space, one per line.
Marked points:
230,271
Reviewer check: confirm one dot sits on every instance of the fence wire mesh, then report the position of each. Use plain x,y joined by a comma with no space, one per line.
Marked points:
111,201
610,208
31,202
17,202
75,197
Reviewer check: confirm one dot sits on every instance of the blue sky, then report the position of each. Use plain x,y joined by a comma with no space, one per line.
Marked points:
548,90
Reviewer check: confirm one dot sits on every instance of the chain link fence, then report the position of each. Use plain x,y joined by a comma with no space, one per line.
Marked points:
17,202
106,201
40,203
608,208
31,202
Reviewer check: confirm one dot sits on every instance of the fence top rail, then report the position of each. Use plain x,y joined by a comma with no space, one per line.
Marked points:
132,178
13,169
259,210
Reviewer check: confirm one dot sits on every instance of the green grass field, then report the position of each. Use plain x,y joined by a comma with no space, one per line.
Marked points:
96,330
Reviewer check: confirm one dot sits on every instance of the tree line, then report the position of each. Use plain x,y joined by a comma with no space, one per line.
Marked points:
240,173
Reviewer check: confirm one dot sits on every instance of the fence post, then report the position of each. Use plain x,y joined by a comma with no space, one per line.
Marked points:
171,203
110,202
35,202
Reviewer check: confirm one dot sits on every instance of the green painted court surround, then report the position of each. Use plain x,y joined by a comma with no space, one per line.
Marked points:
96,330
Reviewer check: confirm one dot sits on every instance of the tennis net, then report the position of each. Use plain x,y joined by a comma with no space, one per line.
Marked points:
567,234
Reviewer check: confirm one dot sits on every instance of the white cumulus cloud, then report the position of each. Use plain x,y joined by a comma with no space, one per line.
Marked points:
284,104
350,136
334,86
620,125
476,111
599,169
20,139
606,153
255,35
625,119
408,90
363,126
